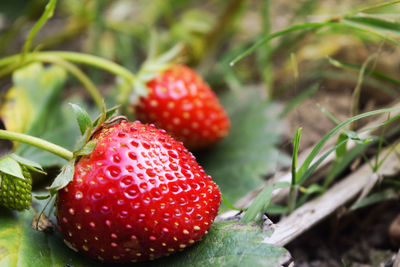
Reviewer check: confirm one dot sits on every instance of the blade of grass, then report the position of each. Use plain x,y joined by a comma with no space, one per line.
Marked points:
261,202
296,146
380,145
340,165
334,22
276,209
376,6
227,203
264,40
377,74
378,25
321,143
328,114
308,171
355,98
258,204
388,194
393,148
341,150
366,30
293,186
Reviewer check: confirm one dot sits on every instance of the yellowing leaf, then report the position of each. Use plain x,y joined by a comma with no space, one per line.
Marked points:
17,110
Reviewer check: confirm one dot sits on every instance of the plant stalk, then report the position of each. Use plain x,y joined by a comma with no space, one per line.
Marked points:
74,57
90,87
292,198
37,142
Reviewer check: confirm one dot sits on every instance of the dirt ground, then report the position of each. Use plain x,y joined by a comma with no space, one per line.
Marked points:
354,239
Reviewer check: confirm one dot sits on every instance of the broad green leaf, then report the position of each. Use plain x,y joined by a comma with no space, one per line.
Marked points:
21,246
42,86
238,163
65,134
228,244
39,94
82,117
10,166
17,110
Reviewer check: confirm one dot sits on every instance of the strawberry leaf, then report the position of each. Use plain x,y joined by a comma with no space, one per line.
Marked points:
66,175
22,246
238,163
227,244
82,117
28,163
33,106
109,113
10,166
87,149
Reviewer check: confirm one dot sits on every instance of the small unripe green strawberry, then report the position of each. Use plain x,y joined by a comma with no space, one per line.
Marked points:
15,193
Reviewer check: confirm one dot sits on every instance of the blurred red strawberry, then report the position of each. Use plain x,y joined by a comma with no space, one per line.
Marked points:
182,103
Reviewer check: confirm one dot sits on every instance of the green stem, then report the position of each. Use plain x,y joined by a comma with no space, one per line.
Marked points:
74,57
355,98
294,183
47,14
292,198
37,142
82,77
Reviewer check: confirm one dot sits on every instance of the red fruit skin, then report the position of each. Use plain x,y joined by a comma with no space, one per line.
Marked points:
139,195
182,103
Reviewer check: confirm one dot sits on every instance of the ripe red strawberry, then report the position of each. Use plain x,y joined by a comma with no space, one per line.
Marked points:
181,102
139,195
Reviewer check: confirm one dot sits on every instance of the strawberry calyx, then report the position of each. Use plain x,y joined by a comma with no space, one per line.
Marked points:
86,144
149,69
